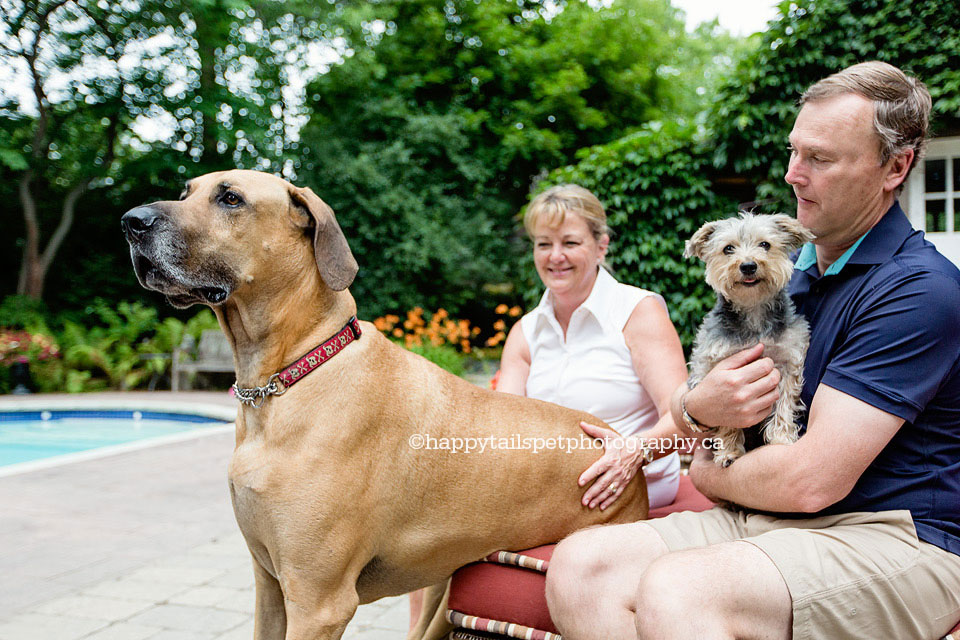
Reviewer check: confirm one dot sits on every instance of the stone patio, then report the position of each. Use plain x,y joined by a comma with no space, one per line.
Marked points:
140,545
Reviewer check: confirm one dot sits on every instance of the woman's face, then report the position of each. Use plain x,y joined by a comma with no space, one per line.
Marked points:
567,256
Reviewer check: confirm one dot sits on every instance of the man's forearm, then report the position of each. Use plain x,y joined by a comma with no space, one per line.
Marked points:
767,478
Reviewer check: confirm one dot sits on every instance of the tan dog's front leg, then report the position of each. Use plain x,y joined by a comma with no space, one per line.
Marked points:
316,614
270,618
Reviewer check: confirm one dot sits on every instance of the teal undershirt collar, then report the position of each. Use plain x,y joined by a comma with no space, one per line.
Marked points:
808,257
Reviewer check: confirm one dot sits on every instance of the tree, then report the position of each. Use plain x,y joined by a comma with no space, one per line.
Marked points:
426,138
127,95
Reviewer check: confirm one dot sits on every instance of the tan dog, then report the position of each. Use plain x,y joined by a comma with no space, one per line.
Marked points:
336,504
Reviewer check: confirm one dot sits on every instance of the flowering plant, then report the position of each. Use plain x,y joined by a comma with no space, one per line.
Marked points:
439,329
23,346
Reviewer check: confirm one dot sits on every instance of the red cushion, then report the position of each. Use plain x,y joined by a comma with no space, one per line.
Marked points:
514,594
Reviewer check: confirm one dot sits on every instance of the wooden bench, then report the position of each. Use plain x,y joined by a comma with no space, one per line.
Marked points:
213,354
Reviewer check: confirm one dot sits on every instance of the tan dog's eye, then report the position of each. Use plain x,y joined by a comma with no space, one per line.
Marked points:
231,199
727,250
765,246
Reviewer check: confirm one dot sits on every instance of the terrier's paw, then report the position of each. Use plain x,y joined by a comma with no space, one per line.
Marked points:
724,458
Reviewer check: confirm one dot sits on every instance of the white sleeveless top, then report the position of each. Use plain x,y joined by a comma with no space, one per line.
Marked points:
592,370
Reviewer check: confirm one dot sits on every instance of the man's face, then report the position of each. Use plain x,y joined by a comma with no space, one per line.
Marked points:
841,187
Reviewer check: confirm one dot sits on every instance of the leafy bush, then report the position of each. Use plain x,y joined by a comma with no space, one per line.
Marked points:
444,356
114,352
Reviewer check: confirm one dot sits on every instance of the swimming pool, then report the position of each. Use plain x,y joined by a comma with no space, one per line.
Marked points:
60,435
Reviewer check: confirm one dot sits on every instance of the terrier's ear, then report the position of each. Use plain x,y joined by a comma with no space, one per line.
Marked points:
795,233
698,241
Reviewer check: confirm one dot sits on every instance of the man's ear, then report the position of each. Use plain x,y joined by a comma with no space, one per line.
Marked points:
335,261
899,167
698,241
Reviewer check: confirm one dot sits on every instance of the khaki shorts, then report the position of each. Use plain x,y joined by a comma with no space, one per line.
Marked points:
857,575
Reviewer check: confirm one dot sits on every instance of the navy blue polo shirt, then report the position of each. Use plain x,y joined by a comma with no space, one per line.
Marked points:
885,329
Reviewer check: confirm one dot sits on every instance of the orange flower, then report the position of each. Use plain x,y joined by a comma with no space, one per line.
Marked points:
515,311
380,324
398,333
501,309
441,314
499,325
495,339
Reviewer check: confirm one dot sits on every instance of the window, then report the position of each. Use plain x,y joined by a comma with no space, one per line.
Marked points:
931,196
941,185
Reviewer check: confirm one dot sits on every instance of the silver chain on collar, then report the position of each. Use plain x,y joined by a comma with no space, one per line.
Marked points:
256,395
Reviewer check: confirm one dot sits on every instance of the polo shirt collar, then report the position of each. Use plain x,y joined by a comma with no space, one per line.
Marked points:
874,247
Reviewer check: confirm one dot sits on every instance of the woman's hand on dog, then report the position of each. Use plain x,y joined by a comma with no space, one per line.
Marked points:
617,467
738,392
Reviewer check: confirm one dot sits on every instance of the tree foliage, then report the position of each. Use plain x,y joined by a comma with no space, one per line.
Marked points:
661,184
426,138
812,39
124,102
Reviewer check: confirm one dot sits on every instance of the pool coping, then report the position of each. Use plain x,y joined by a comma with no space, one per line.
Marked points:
218,406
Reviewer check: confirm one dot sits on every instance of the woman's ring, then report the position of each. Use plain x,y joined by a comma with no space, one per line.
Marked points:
613,487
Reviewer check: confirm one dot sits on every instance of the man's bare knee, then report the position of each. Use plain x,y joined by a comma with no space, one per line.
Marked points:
600,562
665,594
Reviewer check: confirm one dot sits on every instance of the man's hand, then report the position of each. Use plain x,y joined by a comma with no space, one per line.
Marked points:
701,468
738,392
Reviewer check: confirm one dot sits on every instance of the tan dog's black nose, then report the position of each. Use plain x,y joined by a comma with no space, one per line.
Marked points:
137,222
748,268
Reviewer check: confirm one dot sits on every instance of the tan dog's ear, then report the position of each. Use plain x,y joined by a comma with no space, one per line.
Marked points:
797,235
336,263
698,241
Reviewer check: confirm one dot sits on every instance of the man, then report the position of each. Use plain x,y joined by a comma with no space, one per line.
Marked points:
852,531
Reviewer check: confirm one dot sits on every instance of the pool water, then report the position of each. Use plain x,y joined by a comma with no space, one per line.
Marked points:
34,435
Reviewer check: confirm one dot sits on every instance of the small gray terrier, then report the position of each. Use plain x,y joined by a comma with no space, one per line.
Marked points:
748,265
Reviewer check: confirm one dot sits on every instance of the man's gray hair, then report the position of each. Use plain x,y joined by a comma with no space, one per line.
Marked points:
901,104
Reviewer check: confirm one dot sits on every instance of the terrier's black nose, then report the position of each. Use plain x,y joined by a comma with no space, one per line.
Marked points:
748,268
137,222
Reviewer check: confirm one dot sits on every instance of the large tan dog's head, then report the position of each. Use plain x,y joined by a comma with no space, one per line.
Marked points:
233,229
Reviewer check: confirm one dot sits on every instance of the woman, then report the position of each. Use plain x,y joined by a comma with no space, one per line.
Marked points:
599,346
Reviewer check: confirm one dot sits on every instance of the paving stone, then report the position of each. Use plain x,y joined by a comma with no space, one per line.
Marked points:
123,631
240,578
395,618
38,626
242,601
97,607
129,588
374,634
206,596
189,619
183,635
243,632
183,575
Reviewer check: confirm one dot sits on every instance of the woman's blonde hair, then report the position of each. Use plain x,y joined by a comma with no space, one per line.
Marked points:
551,208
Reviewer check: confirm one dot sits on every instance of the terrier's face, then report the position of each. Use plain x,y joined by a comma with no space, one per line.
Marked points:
748,258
